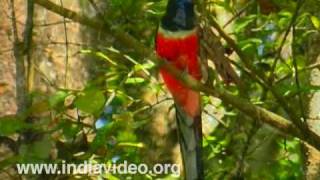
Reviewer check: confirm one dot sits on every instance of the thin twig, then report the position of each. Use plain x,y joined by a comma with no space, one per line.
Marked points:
278,56
296,72
253,130
14,25
66,50
69,43
215,118
52,23
310,67
238,13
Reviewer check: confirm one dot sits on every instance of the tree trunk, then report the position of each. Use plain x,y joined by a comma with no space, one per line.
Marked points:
312,156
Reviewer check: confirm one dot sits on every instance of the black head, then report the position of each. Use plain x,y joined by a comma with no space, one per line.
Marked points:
179,15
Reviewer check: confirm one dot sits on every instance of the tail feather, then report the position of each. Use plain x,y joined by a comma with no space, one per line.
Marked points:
190,139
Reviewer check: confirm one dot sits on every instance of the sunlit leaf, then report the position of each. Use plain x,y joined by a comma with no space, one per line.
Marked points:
135,80
57,99
131,144
315,21
244,22
91,101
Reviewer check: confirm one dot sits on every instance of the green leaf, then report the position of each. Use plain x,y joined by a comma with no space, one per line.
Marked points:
42,149
69,129
57,98
135,80
39,150
126,136
131,144
315,21
244,22
9,162
39,107
101,136
250,44
10,125
105,57
110,176
91,101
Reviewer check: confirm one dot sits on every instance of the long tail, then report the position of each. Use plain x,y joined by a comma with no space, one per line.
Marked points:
190,139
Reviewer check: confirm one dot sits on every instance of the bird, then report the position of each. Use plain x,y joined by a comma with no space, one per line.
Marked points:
177,43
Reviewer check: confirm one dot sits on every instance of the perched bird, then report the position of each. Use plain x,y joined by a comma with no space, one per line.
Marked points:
177,43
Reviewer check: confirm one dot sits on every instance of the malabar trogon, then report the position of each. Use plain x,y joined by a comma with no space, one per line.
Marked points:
177,43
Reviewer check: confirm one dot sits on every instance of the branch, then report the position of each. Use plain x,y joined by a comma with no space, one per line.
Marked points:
27,39
98,25
238,13
292,22
66,49
19,61
243,105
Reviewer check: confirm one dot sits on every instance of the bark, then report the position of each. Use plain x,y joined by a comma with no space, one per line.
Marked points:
312,155
27,46
19,61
